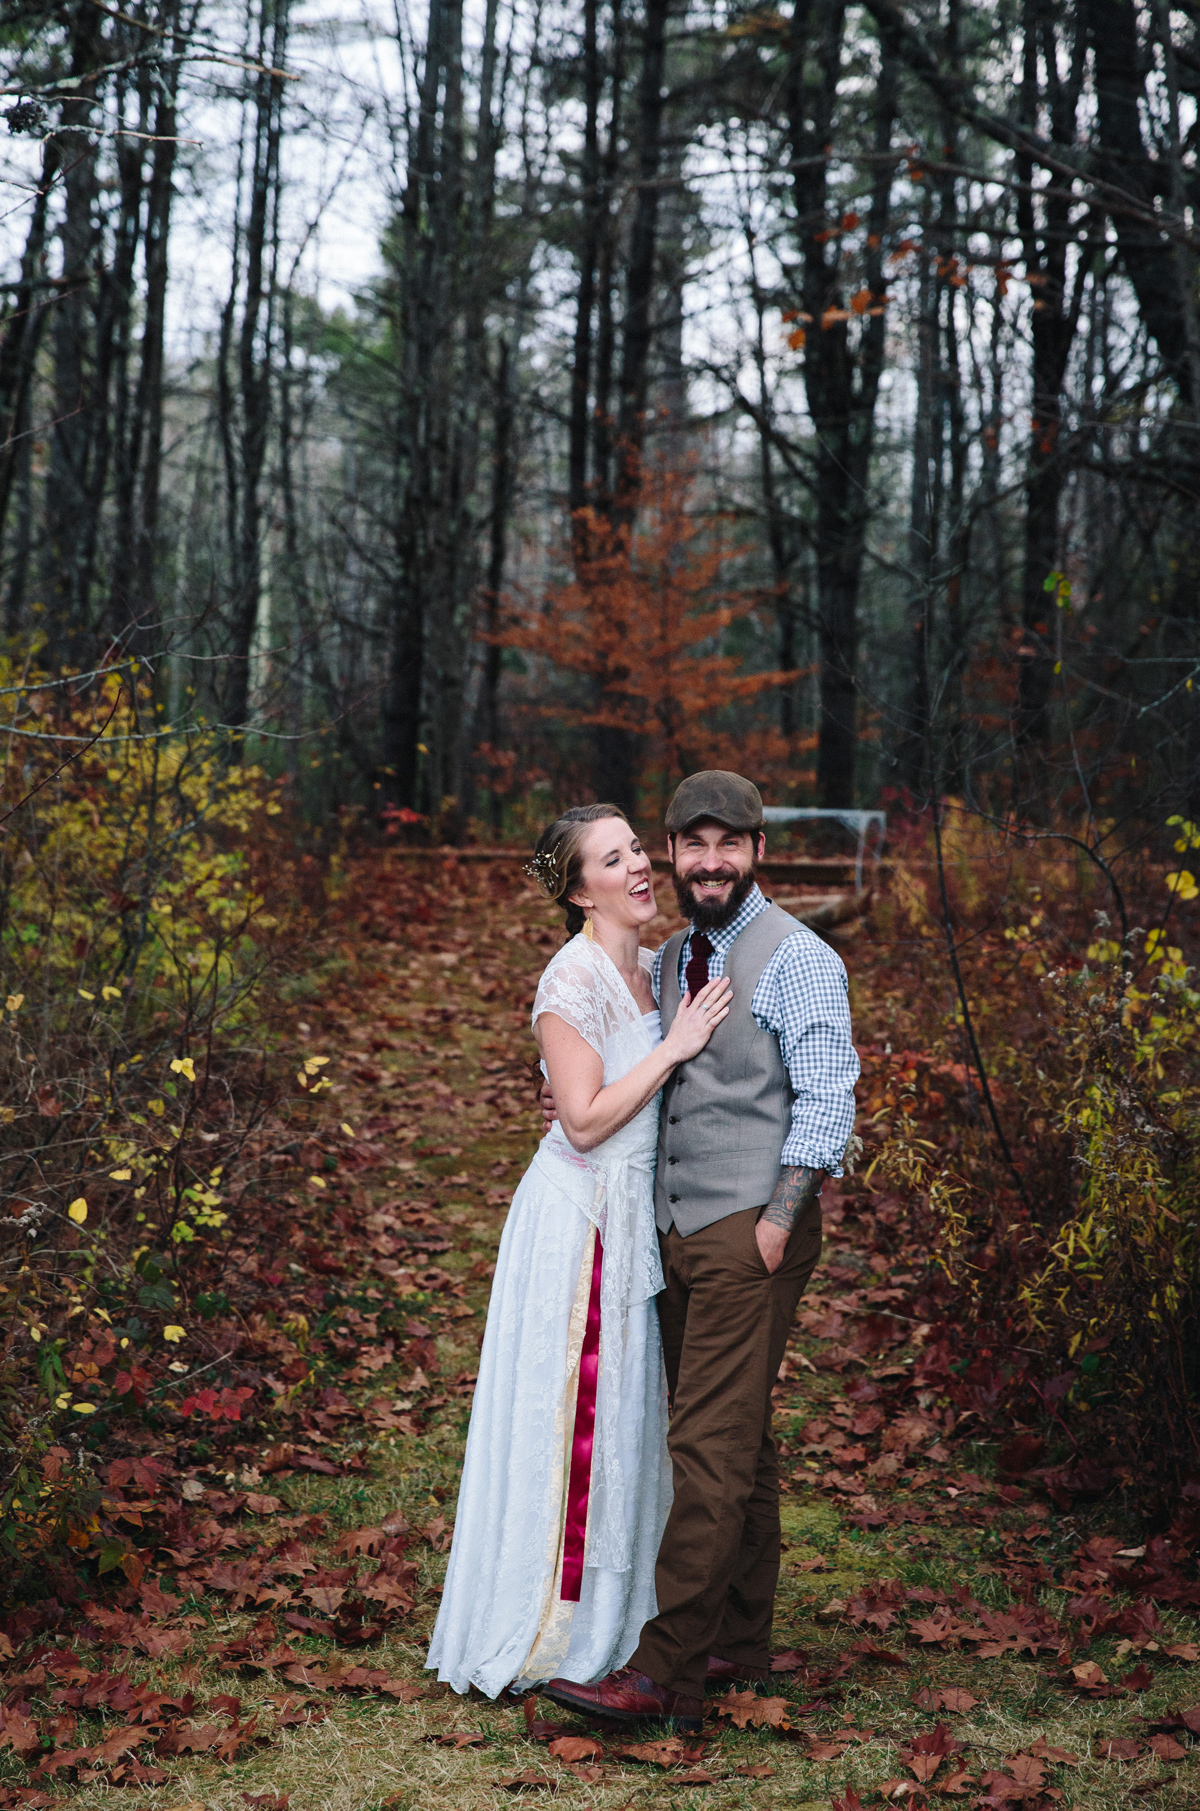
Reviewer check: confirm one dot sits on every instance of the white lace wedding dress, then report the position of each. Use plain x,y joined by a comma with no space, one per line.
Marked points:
521,1518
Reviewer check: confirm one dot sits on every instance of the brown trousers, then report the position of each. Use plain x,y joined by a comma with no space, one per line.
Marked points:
725,1322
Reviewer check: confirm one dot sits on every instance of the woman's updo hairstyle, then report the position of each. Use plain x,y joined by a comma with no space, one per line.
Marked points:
557,863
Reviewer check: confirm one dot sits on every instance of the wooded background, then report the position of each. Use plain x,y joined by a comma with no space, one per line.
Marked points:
811,391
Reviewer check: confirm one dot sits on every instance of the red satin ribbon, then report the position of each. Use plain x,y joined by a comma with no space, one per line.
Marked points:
579,1483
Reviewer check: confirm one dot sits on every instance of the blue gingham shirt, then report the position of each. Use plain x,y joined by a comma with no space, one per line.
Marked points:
803,998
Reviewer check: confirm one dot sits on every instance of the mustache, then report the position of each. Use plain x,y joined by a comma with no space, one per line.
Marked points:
720,876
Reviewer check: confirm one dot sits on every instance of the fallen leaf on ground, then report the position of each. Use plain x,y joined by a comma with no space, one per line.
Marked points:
954,1698
576,1748
529,1781
759,1771
925,1753
1121,1748
669,1753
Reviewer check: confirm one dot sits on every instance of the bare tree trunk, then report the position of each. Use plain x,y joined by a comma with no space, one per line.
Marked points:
1052,326
19,343
246,446
638,328
589,252
67,496
842,385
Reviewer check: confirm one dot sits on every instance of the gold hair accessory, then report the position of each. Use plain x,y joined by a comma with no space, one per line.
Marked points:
589,929
543,868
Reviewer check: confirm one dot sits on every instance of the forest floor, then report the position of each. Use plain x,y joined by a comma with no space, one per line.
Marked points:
944,1631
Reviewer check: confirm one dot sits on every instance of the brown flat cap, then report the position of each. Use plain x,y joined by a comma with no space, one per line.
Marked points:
716,794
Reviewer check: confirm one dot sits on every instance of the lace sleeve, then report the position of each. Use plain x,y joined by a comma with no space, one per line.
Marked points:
570,989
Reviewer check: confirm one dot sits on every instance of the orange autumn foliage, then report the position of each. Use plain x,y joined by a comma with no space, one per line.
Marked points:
644,620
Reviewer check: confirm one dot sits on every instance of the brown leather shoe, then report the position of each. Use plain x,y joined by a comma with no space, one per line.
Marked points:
628,1697
724,1673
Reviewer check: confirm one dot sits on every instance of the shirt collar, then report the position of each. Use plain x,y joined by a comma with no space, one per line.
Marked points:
754,903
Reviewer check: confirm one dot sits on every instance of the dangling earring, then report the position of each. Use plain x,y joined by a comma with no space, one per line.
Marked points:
588,929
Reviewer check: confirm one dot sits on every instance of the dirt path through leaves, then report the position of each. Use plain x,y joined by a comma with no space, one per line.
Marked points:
946,1628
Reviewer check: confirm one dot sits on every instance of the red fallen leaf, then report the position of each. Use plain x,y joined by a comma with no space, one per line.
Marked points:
866,1649
267,1801
955,1785
1061,1757
361,1540
1167,1748
589,1775
1089,1678
942,1627
1029,1770
18,1732
539,1729
669,1753
760,1771
459,1738
954,1698
529,1781
258,1504
232,1707
1139,1680
739,1707
277,1458
438,1533
1187,1651
851,1802
576,1748
825,1751
325,1598
925,1753
1121,1748
790,1661
699,1776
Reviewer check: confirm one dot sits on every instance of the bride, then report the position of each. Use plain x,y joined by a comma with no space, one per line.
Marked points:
566,1483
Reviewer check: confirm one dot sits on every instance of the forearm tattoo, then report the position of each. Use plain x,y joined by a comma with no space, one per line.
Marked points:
796,1187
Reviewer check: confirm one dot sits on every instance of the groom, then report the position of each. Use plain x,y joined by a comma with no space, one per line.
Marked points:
749,1130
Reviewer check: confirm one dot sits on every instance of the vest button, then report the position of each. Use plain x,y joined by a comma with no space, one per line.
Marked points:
672,1119
672,1198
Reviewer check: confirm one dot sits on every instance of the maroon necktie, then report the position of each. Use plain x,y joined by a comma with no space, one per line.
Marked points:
695,975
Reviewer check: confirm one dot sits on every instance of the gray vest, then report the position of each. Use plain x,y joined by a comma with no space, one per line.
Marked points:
725,1115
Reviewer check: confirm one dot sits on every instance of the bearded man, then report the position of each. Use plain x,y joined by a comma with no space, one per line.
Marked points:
749,1130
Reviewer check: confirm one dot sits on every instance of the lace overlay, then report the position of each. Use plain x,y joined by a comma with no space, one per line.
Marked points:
500,1620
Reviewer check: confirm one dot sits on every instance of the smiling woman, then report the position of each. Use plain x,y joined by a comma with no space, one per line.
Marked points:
565,1485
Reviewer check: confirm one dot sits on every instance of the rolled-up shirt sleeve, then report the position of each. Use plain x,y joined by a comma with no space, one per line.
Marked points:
803,997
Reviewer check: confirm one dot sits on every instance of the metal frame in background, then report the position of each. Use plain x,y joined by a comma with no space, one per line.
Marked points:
858,821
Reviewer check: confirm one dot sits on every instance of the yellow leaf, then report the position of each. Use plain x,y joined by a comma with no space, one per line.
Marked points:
120,1175
183,1065
84,1408
174,1334
349,1130
62,1402
14,1002
317,1181
313,1063
85,995
35,1334
157,1106
111,993
78,1210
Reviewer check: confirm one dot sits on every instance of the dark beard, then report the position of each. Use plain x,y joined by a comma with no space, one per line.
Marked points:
706,915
